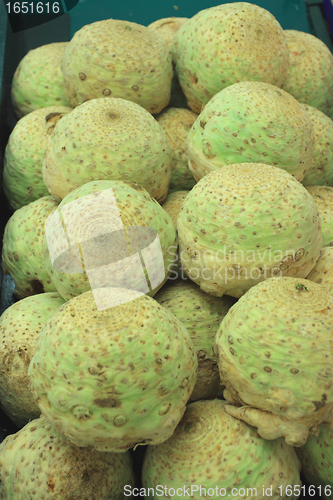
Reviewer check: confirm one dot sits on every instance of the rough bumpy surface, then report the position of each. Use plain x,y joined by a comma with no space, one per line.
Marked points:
20,326
201,314
173,204
108,139
223,456
109,233
37,81
22,247
176,123
275,348
310,74
114,58
320,171
245,223
113,378
316,458
24,155
226,44
252,122
323,197
167,28
36,462
322,273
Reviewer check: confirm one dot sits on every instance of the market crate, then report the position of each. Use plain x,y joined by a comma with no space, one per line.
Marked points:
328,14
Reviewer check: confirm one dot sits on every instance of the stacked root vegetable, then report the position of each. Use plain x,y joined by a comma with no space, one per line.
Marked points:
171,189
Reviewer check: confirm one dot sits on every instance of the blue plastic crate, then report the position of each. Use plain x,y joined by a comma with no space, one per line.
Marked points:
328,13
